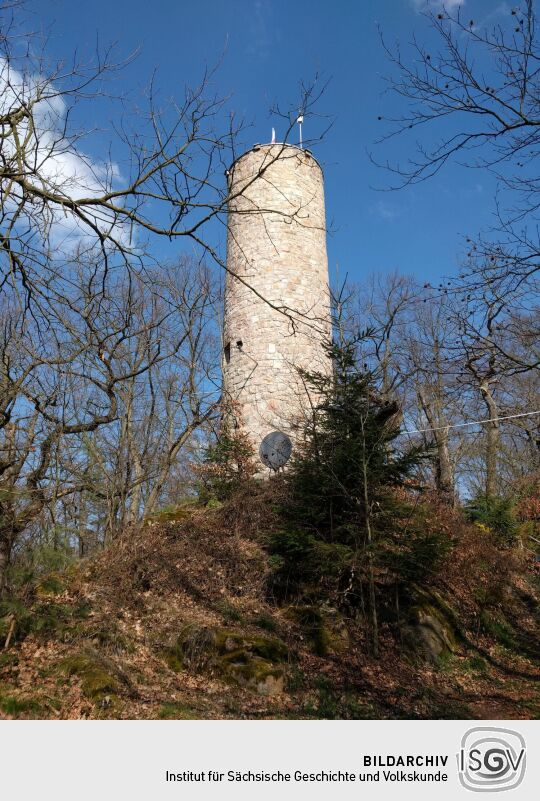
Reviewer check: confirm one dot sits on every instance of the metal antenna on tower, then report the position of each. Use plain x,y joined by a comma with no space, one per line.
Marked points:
300,120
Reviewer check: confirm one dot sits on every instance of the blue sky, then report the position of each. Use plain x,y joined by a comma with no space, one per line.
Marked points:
267,47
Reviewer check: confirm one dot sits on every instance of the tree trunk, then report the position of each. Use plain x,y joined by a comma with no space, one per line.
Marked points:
369,541
444,476
444,473
81,534
492,440
135,503
5,558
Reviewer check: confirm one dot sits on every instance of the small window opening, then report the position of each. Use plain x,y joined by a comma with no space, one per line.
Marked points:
239,344
227,352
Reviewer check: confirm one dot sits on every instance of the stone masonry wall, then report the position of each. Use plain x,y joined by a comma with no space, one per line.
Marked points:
276,293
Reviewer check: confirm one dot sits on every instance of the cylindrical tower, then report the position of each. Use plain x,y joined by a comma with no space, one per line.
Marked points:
277,313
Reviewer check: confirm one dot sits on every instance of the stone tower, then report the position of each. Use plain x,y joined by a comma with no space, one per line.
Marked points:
277,313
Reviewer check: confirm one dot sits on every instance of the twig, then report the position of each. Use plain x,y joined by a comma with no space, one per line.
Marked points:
10,632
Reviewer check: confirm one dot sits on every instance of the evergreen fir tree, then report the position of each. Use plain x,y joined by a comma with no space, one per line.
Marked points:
342,479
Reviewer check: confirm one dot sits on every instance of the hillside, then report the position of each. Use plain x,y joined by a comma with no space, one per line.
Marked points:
176,621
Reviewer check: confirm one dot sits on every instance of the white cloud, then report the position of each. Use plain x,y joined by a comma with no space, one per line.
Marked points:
264,32
52,163
438,5
386,211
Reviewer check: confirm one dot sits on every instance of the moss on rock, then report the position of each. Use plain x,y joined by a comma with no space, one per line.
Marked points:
253,672
323,627
253,661
174,657
269,648
97,674
429,632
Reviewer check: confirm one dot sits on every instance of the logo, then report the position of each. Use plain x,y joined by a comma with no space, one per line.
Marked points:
491,760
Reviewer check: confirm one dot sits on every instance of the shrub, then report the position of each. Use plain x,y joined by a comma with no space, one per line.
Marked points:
299,558
227,465
497,515
413,558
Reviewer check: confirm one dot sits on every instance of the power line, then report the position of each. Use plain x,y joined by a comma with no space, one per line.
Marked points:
472,423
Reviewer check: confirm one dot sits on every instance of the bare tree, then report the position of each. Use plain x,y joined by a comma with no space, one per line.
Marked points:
433,389
92,365
406,343
483,354
132,459
384,309
452,357
473,98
